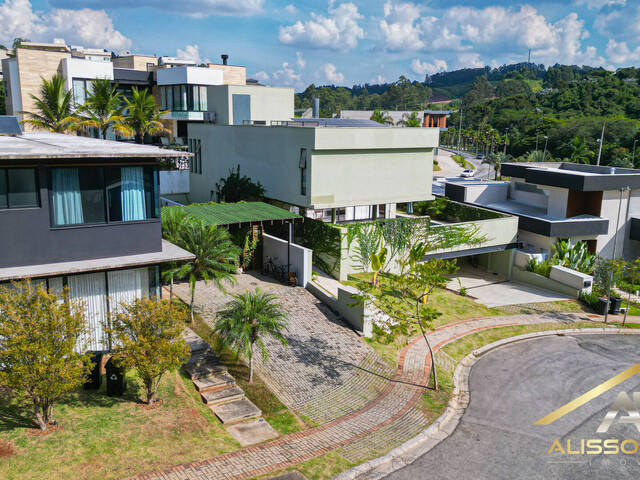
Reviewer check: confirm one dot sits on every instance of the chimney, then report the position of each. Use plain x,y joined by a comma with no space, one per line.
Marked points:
224,57
316,108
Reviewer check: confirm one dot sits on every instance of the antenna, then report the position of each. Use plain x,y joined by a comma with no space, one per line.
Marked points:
529,56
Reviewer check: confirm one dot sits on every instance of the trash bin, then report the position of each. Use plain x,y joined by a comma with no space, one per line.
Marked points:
614,306
115,378
602,306
94,380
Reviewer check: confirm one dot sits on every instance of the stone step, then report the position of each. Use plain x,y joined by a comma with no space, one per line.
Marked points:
197,372
214,382
203,357
194,341
251,432
223,395
237,411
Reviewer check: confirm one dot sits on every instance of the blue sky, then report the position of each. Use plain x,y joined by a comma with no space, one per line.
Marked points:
294,43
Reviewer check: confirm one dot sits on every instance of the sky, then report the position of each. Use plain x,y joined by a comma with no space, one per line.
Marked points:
298,42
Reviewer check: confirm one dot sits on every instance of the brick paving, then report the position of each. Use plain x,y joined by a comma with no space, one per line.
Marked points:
379,425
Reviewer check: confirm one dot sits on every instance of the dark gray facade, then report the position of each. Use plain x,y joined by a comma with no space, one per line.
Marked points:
27,236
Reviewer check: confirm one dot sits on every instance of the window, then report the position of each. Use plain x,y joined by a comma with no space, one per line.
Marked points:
195,163
86,195
18,188
192,98
81,87
303,171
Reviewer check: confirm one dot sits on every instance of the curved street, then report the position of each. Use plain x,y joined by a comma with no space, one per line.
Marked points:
512,387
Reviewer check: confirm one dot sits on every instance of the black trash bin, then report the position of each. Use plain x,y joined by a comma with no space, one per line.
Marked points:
115,378
602,306
94,380
614,306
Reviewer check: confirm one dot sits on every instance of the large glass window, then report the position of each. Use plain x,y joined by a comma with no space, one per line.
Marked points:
18,188
84,195
80,89
192,98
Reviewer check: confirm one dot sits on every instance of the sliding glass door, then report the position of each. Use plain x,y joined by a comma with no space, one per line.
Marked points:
91,290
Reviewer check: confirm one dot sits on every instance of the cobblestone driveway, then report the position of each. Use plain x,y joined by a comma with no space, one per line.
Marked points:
326,371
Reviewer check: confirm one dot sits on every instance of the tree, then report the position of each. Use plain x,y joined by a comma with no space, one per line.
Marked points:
246,319
148,337
496,160
631,272
381,117
143,115
103,109
216,256
38,341
53,107
236,188
173,220
18,41
3,108
412,120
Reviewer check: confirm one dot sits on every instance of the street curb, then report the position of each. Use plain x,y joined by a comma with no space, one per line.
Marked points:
445,425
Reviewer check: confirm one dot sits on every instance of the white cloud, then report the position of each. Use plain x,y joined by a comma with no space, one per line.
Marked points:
291,9
190,52
620,54
378,80
91,28
469,60
332,75
286,76
300,62
338,31
619,21
422,68
400,28
191,8
262,77
598,4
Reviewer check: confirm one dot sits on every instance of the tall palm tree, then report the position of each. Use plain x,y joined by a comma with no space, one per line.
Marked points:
411,120
246,319
103,109
496,160
381,117
174,220
216,255
143,115
54,110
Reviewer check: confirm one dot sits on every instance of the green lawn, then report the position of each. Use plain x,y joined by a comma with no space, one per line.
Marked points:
105,437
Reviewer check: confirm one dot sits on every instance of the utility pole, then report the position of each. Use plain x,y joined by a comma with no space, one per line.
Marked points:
460,130
536,141
601,141
613,255
544,154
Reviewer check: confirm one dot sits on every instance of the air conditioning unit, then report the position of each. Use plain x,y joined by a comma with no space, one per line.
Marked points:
209,117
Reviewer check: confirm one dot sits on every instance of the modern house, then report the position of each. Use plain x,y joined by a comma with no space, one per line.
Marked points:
563,200
428,118
83,213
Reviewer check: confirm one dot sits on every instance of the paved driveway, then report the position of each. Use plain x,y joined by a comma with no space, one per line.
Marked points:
496,291
516,385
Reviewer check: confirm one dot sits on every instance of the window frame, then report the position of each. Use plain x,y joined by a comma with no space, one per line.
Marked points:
185,97
36,181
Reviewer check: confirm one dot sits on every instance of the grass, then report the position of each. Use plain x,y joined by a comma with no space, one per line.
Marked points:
276,413
104,437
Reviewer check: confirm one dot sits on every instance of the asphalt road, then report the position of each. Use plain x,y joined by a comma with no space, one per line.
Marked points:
516,385
484,170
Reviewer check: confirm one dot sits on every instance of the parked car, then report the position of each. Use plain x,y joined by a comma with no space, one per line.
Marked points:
480,156
467,173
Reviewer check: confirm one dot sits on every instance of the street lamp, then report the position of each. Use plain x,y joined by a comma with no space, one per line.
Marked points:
544,154
536,141
601,142
506,137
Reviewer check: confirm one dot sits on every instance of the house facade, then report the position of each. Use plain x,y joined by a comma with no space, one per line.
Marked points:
84,214
564,200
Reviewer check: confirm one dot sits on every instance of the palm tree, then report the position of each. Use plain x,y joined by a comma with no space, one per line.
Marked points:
247,318
174,220
580,152
143,115
216,255
103,109
381,117
496,160
411,120
53,107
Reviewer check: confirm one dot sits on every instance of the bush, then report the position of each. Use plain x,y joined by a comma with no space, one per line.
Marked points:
541,268
592,299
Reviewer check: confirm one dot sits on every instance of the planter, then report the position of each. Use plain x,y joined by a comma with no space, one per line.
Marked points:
616,303
601,309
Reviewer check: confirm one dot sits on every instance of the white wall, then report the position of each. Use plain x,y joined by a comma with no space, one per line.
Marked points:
557,201
299,257
81,68
267,103
486,194
189,76
174,181
632,247
610,204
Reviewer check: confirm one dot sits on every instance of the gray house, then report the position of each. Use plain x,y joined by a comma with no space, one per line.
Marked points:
83,213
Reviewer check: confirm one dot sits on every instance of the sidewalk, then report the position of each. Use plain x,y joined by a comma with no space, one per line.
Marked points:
394,411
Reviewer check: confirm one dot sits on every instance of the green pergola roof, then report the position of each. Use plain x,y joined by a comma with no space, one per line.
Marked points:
234,213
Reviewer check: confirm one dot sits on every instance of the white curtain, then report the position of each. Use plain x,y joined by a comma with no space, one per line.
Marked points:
363,212
126,286
91,289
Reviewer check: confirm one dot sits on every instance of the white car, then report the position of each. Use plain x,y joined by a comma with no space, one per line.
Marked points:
467,173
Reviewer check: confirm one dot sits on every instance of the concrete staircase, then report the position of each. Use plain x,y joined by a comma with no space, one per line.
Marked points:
220,393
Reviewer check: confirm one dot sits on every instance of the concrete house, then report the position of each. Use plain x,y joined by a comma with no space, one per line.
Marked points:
83,213
564,200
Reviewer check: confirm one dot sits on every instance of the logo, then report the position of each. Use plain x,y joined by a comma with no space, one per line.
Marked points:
622,404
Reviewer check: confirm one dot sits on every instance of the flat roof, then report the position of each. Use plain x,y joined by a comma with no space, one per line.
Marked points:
241,212
56,145
169,253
